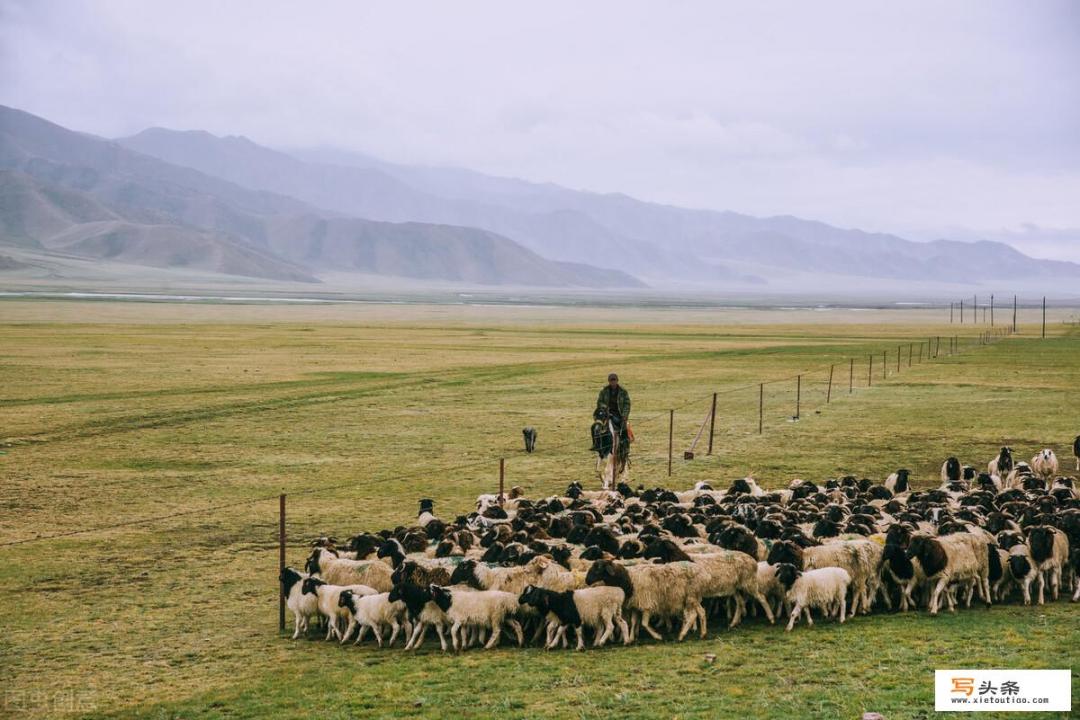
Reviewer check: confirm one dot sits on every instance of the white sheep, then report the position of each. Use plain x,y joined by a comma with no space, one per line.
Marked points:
667,590
1045,464
303,606
373,611
823,588
329,597
960,557
598,608
338,571
487,609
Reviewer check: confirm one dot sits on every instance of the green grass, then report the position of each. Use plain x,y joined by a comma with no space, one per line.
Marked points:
116,411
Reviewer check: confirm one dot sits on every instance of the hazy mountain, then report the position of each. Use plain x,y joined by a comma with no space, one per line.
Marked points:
660,243
66,192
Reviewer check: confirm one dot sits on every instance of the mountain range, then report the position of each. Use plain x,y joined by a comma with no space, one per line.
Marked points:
189,199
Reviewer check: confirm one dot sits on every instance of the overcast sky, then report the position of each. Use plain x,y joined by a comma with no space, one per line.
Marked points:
931,119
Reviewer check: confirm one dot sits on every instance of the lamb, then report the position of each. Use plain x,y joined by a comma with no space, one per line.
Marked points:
373,610
1001,465
824,588
861,558
303,607
421,610
598,608
670,590
338,571
1050,553
328,596
960,557
486,609
1045,464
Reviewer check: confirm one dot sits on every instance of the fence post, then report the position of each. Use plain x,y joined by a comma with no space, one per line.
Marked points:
798,396
851,377
898,357
1014,313
670,438
1044,318
828,393
884,364
281,562
870,374
502,479
961,312
761,409
712,423
909,352
938,350
991,311
951,313
920,352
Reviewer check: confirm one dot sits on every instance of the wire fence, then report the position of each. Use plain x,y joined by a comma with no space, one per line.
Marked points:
814,387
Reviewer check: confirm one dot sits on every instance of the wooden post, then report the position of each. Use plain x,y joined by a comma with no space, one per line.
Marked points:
761,409
1044,318
712,423
920,353
961,312
951,313
828,393
937,350
502,479
929,348
870,374
1014,313
798,395
281,562
910,349
991,311
851,377
898,358
884,364
670,438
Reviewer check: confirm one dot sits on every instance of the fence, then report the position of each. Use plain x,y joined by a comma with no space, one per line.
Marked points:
890,362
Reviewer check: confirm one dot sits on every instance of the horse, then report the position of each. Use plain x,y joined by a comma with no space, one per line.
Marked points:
611,468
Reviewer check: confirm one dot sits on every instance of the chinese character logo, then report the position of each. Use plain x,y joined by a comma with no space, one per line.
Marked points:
963,685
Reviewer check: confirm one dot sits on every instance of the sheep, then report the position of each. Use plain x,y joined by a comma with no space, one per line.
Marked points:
950,470
728,573
328,596
1015,478
420,573
374,610
1001,465
421,610
555,577
669,590
961,557
824,588
508,579
598,608
1023,571
899,481
303,607
1045,464
861,558
338,571
1050,553
770,587
906,573
1076,452
487,609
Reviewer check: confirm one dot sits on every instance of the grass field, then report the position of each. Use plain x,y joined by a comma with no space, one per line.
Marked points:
113,411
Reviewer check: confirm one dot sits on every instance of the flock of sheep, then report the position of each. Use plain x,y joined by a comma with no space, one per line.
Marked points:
615,562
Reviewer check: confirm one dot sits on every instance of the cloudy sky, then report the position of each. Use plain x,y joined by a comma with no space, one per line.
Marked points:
957,119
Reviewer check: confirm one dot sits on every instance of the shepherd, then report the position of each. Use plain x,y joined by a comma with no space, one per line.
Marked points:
612,414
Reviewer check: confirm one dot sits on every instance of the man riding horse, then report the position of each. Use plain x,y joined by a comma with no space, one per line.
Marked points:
612,408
